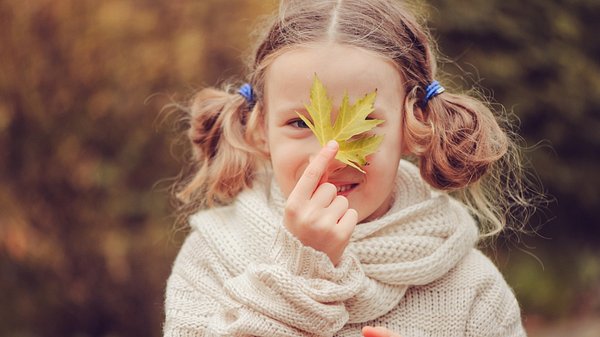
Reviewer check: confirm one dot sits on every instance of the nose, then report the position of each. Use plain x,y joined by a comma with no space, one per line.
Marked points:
335,165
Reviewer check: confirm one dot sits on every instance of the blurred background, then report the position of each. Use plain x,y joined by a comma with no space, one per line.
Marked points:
87,234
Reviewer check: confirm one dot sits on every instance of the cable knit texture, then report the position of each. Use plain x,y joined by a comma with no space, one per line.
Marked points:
415,270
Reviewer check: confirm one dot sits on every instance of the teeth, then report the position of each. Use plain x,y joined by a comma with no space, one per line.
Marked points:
344,188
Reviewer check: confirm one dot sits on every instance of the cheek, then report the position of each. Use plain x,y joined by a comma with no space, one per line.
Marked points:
383,165
287,168
387,156
381,174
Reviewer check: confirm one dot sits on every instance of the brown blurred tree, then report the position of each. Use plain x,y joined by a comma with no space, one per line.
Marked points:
86,236
86,240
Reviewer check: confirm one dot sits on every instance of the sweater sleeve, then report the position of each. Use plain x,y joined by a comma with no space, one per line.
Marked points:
296,292
495,311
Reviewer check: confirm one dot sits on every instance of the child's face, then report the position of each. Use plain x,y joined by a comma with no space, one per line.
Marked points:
292,145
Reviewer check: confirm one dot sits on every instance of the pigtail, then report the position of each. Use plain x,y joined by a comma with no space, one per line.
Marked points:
464,141
221,133
463,148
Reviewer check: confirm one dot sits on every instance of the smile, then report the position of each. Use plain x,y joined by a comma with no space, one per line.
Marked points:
345,189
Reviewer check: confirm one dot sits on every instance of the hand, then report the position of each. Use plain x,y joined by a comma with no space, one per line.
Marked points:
379,331
315,214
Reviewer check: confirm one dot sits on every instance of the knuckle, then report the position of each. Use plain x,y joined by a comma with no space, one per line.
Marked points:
298,216
321,224
334,235
304,225
291,208
352,218
323,156
341,236
328,232
329,188
342,201
313,173
353,214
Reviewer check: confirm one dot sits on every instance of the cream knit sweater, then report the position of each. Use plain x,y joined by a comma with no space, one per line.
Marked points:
414,271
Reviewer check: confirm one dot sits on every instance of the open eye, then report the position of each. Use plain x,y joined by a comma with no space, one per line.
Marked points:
298,123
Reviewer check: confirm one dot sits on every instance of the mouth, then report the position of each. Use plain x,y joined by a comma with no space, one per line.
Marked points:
345,189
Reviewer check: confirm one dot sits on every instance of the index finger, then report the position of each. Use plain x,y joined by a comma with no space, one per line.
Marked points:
309,180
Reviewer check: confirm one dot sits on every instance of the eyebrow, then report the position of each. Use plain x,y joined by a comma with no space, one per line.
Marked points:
289,110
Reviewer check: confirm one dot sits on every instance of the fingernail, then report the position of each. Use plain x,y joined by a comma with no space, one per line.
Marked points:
332,144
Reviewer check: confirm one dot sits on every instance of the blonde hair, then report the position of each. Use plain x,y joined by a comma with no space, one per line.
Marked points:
456,139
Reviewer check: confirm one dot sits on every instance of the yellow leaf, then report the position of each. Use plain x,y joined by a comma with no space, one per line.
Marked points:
349,127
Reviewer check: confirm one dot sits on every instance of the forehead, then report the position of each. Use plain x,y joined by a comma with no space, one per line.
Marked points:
341,68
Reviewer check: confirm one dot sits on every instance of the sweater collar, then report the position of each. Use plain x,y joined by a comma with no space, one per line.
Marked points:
421,238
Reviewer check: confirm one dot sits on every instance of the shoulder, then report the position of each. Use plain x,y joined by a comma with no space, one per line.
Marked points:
210,233
479,277
472,299
208,248
231,236
477,297
492,305
211,216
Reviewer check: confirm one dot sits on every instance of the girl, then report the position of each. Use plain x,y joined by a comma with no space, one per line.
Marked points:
290,241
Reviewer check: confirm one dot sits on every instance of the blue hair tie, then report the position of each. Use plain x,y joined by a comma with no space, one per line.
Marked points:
248,94
432,90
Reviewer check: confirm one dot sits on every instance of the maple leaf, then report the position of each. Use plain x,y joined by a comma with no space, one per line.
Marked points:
349,127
